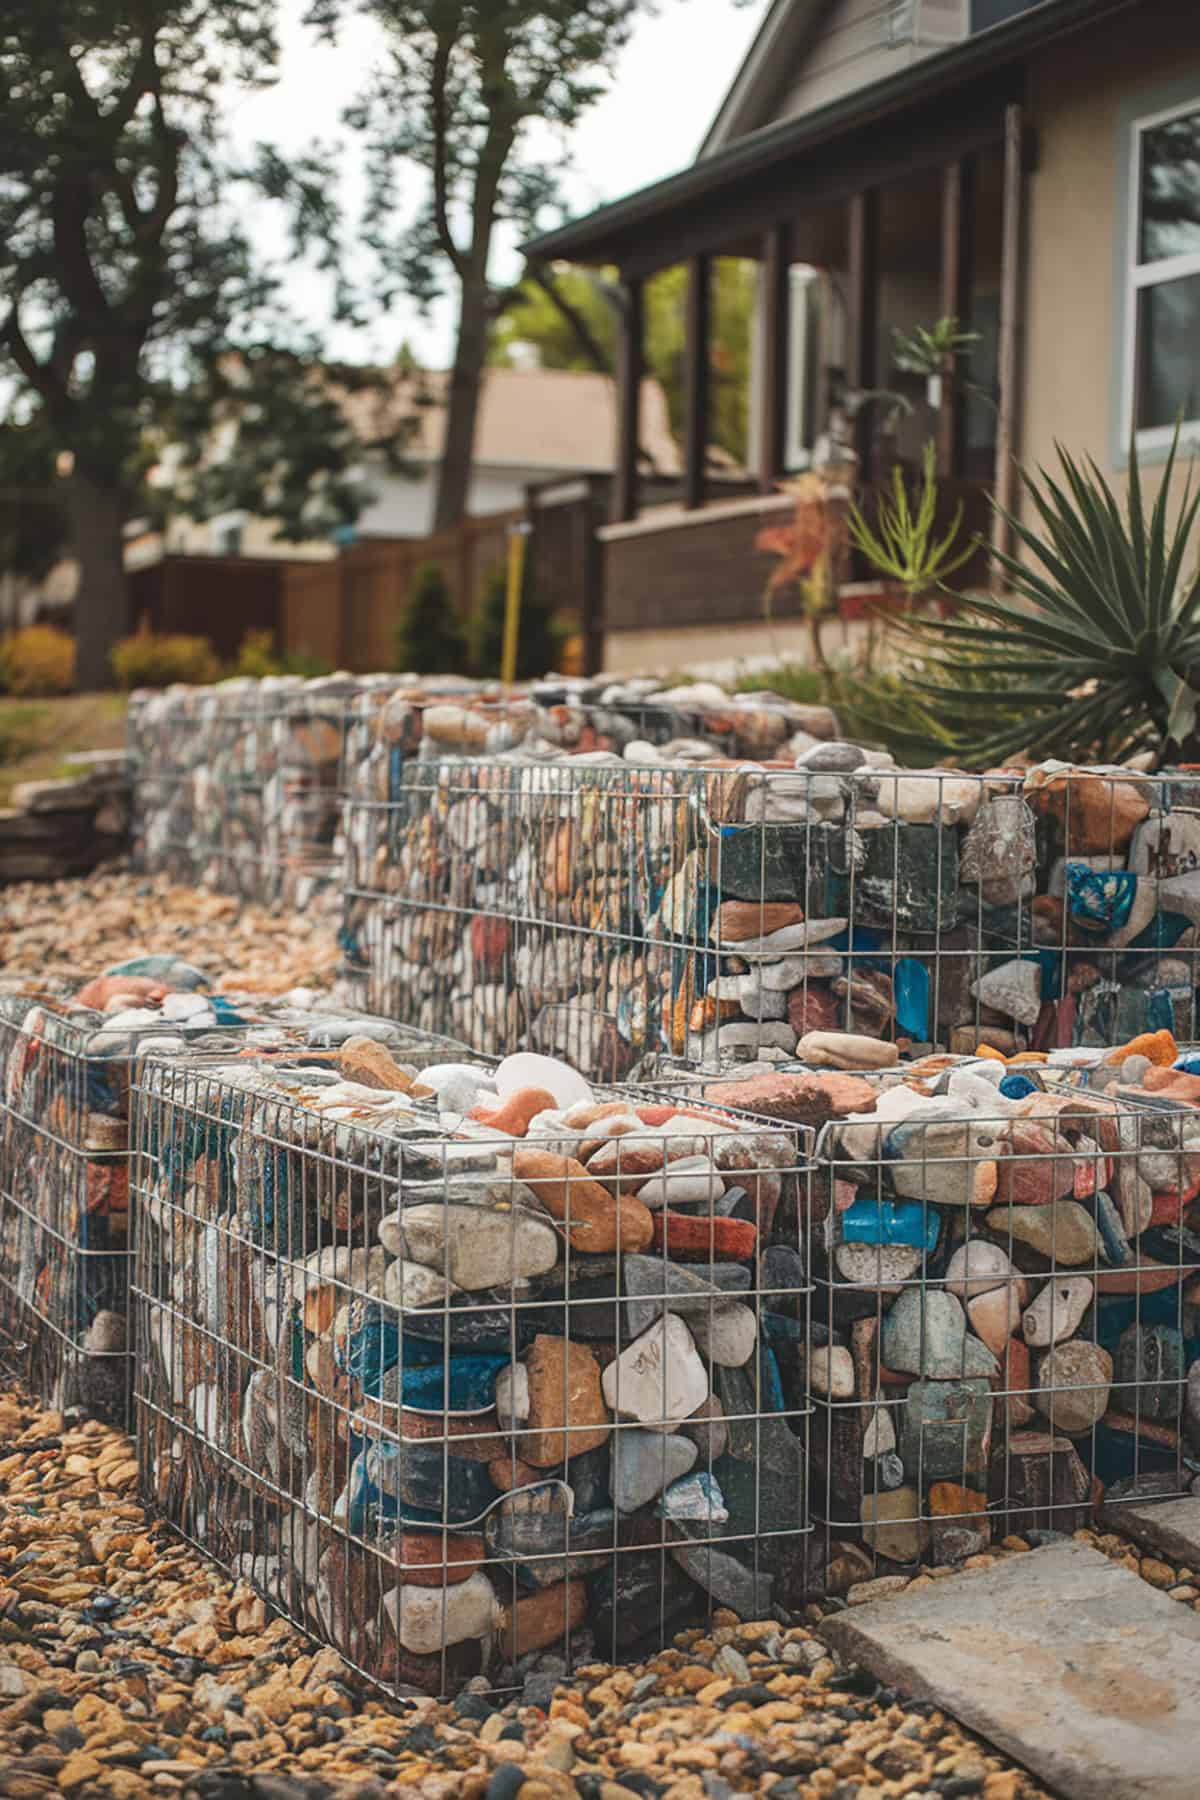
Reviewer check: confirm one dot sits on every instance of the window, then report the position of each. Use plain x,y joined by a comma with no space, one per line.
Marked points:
1162,317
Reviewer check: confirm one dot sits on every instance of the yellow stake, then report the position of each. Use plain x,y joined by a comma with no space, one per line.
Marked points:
512,600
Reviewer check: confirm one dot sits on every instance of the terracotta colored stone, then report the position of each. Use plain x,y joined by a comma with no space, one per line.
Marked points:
430,1560
599,1221
542,1618
567,1414
476,1436
1036,1166
947,1499
1098,813
813,1008
140,989
736,920
706,1239
508,1472
1176,1084
489,945
517,1111
994,1316
369,1063
808,1099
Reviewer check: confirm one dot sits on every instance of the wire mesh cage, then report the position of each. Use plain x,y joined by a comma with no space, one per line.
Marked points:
1006,1311
609,912
463,1403
65,1239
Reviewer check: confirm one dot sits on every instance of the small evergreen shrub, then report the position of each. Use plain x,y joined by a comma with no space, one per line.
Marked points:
429,636
155,661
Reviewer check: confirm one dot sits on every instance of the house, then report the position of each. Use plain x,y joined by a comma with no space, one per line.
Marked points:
1031,167
535,426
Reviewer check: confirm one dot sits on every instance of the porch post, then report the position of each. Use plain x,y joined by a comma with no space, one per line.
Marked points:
862,311
771,373
958,205
697,380
1011,272
629,389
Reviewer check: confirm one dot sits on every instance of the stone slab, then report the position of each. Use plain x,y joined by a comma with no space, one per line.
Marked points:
1170,1527
1067,1662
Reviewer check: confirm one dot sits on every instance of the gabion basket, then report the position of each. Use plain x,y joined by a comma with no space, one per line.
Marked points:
610,913
462,1403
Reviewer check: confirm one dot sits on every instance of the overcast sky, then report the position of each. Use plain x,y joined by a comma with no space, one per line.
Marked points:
668,85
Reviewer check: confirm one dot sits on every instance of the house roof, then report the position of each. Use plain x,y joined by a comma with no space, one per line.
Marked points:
557,419
774,51
603,236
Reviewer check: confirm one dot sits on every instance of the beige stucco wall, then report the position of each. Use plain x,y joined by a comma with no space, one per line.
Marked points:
1077,92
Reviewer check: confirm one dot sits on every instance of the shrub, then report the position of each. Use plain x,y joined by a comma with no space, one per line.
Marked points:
429,637
257,657
540,636
152,660
794,681
38,660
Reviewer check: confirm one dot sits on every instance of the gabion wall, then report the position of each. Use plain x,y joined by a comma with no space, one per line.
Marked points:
454,1398
66,1066
611,912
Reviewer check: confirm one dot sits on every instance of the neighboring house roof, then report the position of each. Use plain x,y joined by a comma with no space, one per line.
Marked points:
558,419
603,236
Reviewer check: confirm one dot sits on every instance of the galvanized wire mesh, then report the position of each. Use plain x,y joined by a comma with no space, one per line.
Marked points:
1006,1313
462,1403
609,912
65,1240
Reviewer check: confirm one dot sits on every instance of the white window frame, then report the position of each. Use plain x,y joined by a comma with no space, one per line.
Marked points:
1139,275
803,293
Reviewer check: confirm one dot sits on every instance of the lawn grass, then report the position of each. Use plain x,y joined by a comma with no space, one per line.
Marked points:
36,736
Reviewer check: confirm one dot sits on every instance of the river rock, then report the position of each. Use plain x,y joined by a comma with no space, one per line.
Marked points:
1063,1233
926,1334
846,1050
1057,1311
646,1462
1073,1383
658,1379
473,1246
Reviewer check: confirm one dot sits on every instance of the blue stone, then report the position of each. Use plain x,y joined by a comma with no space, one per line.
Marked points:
471,1387
1100,900
1017,1087
911,990
890,1222
172,970
1113,1237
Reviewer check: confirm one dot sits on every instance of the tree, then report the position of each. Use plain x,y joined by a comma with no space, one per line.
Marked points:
429,638
547,313
124,249
460,83
33,531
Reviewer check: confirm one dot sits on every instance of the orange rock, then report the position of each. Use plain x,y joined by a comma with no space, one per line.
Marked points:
986,1050
596,1220
947,1500
430,1560
1015,1381
1159,1046
517,1111
364,1060
508,1472
543,1618
139,989
1177,1084
737,920
567,1414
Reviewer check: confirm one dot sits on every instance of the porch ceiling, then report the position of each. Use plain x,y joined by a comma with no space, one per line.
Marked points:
924,113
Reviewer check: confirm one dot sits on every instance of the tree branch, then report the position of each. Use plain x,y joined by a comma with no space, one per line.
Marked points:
44,379
585,337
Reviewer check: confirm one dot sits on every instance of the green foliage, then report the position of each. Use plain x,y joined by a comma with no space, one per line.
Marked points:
540,636
1093,653
925,352
907,711
155,661
257,657
38,660
793,681
429,637
33,531
552,325
902,545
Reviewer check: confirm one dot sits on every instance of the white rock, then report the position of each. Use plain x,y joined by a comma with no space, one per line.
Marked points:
880,1436
923,799
183,1006
788,937
659,1378
473,1246
412,1284
831,1371
1014,988
512,1396
426,1619
882,1266
646,1462
527,1070
845,1050
1056,1312
978,1267
689,1181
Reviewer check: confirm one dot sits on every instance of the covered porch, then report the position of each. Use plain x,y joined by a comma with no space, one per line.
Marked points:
863,222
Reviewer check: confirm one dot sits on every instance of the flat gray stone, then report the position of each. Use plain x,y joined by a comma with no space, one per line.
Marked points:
1172,1527
1064,1660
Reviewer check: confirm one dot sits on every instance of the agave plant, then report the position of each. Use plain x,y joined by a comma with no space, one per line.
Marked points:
1094,650
901,545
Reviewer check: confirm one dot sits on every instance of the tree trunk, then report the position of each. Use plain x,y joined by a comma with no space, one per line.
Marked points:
96,516
462,402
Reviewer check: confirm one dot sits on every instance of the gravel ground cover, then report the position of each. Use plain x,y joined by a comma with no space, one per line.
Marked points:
113,915
130,1666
